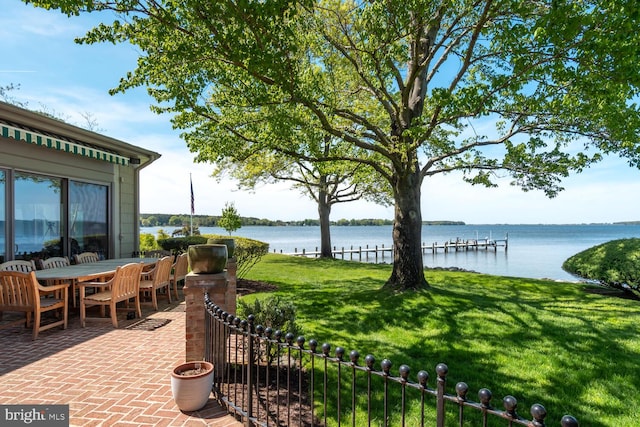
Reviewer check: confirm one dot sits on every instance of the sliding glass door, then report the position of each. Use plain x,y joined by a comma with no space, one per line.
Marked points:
51,216
88,227
38,210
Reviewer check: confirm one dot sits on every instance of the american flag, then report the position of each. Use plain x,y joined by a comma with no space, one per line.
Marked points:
193,209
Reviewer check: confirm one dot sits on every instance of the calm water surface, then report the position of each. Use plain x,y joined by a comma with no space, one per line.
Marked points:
535,251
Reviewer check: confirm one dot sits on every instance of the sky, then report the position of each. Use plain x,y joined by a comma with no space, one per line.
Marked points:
38,53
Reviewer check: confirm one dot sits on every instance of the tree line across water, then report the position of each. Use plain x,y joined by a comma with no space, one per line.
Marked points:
178,220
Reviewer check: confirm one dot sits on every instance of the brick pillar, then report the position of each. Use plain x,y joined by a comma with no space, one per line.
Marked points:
221,288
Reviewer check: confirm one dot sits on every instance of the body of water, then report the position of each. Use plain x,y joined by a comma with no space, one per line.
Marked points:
535,251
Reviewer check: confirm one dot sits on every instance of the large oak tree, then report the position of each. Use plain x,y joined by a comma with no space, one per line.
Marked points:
528,89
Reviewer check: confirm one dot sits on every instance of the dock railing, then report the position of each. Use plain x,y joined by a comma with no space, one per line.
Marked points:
269,378
378,253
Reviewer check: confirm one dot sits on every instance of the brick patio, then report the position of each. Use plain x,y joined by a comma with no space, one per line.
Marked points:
108,377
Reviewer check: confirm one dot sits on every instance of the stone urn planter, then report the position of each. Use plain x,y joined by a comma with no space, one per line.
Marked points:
191,384
208,259
229,243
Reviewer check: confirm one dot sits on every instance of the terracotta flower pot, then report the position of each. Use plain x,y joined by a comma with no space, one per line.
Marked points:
207,258
191,384
229,243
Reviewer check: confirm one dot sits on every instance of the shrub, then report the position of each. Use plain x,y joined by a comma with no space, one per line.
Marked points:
248,252
180,244
148,242
615,264
273,312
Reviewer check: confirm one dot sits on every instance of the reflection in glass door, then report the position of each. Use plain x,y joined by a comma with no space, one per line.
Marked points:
88,226
37,216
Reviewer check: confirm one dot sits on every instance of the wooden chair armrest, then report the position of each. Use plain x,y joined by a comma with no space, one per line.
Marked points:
52,288
94,284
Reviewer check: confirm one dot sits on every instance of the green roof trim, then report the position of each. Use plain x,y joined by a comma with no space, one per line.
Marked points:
66,146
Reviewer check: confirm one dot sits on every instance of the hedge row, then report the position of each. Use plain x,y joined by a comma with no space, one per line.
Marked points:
248,251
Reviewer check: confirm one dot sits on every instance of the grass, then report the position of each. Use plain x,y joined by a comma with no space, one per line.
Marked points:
573,351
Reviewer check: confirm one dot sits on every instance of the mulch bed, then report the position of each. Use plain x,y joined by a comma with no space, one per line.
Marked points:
244,287
297,411
279,400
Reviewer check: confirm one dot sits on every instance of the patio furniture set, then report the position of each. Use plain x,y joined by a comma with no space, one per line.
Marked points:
102,283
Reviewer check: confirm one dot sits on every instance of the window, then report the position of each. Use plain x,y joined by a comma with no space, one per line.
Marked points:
37,216
52,217
88,225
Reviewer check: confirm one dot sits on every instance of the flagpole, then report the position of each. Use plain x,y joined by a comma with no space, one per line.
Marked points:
192,206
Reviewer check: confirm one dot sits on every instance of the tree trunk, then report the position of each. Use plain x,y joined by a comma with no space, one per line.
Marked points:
324,212
408,270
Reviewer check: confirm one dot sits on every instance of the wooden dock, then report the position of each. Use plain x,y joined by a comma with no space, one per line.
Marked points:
379,252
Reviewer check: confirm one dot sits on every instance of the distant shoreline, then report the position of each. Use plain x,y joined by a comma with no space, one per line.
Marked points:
173,220
177,220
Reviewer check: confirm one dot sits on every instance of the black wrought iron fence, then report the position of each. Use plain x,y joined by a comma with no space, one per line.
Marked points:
267,378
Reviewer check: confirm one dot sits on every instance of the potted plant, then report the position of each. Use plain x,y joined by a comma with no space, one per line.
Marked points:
191,384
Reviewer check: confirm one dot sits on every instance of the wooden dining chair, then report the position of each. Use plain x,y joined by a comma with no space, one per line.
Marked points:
157,253
180,269
157,278
21,292
58,262
18,265
86,257
122,287
54,262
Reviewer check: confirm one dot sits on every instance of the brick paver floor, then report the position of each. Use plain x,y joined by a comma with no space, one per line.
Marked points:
108,377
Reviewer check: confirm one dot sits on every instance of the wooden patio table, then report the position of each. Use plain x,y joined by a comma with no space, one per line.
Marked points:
90,271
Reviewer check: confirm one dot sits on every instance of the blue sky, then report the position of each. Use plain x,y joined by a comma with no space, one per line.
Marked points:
39,54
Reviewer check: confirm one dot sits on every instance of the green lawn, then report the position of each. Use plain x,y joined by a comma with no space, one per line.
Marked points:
545,342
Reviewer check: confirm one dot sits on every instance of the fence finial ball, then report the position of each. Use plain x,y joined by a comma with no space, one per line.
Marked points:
423,377
461,390
569,421
485,396
404,371
538,412
510,403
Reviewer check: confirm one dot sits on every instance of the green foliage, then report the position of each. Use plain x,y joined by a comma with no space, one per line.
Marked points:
273,312
212,221
148,242
230,220
558,344
248,252
180,244
615,264
176,221
148,221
